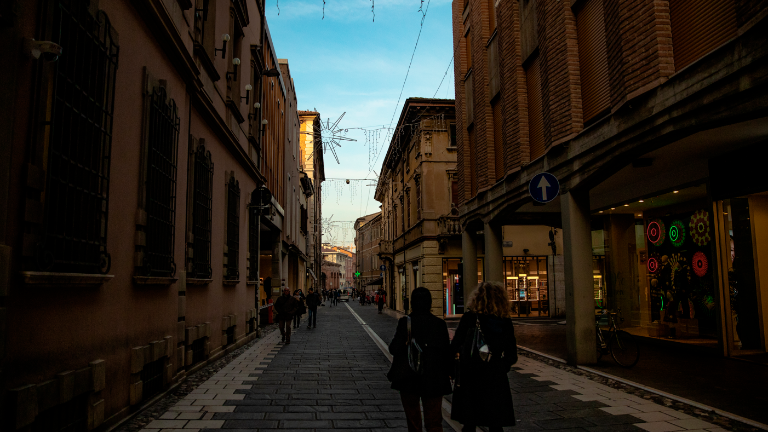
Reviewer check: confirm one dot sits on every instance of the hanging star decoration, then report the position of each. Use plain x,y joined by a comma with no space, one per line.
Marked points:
330,135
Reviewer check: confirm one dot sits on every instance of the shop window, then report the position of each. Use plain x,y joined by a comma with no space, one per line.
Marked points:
527,285
159,191
79,120
202,195
152,376
70,416
593,59
535,109
233,230
699,26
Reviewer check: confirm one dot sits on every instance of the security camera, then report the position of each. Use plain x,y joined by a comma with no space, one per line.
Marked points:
49,51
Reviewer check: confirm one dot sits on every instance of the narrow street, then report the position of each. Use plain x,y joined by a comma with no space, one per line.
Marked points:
333,377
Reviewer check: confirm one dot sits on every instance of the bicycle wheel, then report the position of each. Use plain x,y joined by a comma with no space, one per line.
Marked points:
624,349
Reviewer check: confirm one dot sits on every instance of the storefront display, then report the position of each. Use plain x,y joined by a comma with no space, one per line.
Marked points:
526,283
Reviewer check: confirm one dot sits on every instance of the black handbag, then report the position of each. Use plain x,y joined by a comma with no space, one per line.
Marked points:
479,345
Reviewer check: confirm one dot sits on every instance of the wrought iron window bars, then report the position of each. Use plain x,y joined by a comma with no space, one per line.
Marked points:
201,215
74,231
233,228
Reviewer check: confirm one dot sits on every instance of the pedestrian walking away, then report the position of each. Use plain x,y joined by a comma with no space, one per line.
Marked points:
300,309
381,300
313,299
421,361
285,306
336,295
484,345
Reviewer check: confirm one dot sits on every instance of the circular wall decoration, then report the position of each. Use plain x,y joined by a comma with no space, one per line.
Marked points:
700,264
699,227
652,265
677,233
656,232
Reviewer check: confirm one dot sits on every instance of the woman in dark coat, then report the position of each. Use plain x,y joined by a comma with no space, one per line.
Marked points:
482,396
301,309
431,333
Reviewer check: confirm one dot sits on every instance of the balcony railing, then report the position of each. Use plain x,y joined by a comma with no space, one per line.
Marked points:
448,225
385,247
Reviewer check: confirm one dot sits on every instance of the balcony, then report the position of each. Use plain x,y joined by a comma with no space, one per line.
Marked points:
385,247
448,226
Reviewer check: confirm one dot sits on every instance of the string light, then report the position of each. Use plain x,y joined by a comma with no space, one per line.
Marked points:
444,75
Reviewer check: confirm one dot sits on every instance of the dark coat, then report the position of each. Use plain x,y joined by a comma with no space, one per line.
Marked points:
313,299
286,306
482,396
431,333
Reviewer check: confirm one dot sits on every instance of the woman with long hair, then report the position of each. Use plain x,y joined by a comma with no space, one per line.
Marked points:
485,345
430,382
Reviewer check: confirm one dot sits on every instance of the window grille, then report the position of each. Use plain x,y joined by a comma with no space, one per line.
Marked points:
201,215
198,350
74,235
233,228
152,376
160,188
71,416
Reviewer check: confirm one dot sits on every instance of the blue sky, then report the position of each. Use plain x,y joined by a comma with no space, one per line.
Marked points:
348,63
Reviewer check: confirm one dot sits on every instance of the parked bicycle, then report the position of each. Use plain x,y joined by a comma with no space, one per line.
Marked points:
622,345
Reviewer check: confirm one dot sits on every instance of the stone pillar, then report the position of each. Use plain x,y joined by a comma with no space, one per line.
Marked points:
469,261
494,254
580,302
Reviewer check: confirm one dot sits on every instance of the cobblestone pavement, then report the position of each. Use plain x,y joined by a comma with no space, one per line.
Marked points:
332,377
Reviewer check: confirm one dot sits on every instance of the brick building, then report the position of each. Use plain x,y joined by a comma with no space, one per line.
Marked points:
648,113
132,161
368,230
331,275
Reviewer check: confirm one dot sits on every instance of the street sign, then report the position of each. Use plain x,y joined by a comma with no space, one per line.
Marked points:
544,187
382,267
381,274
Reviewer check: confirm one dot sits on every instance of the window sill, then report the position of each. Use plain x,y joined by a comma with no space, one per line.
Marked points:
251,283
231,281
74,280
154,280
193,281
207,62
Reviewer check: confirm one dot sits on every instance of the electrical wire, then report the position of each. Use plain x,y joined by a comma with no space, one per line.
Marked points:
444,75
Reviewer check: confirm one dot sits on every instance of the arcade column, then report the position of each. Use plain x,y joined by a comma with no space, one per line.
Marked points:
469,259
494,254
577,254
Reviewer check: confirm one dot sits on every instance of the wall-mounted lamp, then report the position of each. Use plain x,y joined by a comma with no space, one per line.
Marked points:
263,126
257,105
225,39
248,89
235,64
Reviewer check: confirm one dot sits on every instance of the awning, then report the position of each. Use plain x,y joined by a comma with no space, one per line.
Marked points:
377,281
311,273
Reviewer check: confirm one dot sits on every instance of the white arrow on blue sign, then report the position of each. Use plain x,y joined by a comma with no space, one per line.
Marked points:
544,187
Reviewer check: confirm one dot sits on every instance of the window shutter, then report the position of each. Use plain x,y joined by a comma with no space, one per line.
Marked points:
469,100
593,59
494,81
699,26
535,114
498,140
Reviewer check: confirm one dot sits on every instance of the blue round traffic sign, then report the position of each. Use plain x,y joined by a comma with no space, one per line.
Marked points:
544,187
382,267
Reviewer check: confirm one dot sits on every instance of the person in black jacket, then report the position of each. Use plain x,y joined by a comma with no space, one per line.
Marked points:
286,305
429,386
300,309
313,299
481,395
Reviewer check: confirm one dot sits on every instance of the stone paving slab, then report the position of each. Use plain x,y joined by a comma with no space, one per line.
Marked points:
333,378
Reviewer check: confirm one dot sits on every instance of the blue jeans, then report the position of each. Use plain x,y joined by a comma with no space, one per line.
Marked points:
312,318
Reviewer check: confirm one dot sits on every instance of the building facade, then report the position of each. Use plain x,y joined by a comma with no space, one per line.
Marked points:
144,178
649,128
368,230
420,237
314,173
331,275
345,259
